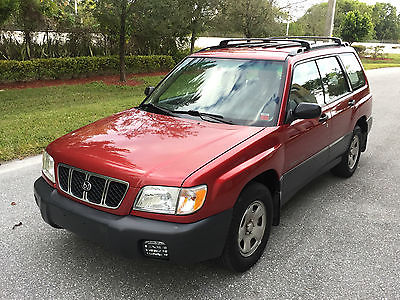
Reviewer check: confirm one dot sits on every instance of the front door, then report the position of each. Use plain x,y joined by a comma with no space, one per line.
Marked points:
306,147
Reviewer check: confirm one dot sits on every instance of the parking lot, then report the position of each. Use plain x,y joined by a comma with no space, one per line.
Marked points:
337,238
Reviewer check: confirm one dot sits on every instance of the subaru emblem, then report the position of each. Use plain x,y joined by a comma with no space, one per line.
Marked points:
86,186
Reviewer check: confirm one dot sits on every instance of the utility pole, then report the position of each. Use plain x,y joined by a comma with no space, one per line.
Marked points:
76,7
330,17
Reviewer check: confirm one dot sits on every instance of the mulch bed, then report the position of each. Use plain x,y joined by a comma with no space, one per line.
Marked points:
378,58
107,79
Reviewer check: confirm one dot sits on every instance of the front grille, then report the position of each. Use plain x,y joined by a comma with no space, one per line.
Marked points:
63,175
96,193
77,180
91,187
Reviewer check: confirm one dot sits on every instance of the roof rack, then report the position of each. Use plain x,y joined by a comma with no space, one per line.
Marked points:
337,40
256,42
225,43
278,42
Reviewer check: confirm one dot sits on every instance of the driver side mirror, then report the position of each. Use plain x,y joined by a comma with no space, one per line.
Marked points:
305,110
148,90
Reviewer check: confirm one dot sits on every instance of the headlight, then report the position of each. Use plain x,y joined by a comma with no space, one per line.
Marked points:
171,200
48,166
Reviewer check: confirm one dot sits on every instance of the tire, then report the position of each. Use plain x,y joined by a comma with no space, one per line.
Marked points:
250,228
350,159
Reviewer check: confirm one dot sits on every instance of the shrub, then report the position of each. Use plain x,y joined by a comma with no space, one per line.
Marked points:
182,53
72,67
360,49
375,52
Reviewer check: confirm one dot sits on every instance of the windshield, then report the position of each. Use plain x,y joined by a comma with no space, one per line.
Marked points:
244,92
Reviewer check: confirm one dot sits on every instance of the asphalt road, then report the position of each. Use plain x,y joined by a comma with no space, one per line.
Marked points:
337,239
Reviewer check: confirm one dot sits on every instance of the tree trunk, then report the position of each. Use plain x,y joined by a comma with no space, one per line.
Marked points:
248,15
48,41
192,40
122,43
27,35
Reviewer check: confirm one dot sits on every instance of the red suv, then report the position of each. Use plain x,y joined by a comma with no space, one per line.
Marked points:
201,168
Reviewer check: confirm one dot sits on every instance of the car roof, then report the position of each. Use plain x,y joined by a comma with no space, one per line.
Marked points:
278,49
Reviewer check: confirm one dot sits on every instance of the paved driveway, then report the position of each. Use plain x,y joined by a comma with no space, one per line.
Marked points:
337,239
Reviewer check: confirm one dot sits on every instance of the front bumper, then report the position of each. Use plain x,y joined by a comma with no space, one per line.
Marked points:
187,243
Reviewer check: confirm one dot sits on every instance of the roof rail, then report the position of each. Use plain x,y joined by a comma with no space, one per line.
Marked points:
243,42
225,43
257,42
315,38
279,42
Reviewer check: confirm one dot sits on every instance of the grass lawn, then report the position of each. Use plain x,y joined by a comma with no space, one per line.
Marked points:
392,61
32,118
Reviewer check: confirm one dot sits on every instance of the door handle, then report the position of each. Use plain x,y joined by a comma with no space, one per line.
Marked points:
351,102
323,118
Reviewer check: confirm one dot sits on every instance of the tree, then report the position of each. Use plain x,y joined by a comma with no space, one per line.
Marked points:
30,18
343,7
386,22
53,16
114,17
312,22
7,7
200,14
356,27
250,18
162,24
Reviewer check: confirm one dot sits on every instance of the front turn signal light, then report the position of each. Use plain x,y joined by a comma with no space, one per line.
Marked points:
191,199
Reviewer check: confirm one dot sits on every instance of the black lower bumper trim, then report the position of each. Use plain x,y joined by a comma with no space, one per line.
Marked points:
369,123
187,243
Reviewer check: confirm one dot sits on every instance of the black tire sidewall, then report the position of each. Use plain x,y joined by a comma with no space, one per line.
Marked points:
343,169
231,256
356,131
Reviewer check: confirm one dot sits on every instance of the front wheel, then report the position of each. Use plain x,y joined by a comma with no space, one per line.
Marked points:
350,159
250,228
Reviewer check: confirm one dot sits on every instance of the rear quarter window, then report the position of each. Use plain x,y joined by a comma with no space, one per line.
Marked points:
354,70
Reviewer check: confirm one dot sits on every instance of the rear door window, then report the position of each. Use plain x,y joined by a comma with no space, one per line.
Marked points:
354,70
306,85
333,79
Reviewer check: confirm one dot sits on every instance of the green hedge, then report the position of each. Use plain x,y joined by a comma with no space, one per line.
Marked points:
75,67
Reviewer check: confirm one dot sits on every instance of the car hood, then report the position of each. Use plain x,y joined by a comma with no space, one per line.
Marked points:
145,148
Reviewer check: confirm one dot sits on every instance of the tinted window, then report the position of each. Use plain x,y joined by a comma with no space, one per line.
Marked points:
306,85
333,79
354,70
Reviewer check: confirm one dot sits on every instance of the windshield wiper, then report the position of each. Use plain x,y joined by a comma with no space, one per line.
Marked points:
157,108
196,113
201,115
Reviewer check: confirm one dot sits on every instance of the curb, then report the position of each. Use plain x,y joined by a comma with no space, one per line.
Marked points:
20,164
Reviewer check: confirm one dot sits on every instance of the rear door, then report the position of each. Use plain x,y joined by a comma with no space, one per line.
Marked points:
339,103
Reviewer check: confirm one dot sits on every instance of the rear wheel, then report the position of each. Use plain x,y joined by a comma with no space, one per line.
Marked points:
250,228
351,158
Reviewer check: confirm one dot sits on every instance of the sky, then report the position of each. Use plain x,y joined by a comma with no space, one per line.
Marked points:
298,10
